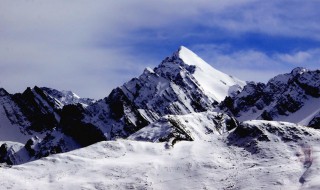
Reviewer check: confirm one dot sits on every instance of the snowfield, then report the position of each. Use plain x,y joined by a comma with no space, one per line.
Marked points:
261,157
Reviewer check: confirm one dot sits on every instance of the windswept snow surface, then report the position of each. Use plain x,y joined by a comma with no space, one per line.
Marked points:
215,83
205,163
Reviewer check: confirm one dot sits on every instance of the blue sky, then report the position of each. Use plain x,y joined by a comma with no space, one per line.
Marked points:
91,47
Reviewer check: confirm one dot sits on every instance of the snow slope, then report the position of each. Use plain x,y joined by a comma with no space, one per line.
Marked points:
256,155
305,114
214,83
10,131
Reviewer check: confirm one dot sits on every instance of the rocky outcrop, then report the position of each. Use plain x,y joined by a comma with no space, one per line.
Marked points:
278,99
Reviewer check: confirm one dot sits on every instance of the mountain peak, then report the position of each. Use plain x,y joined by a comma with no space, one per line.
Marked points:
148,70
214,82
298,70
190,58
67,97
184,49
3,92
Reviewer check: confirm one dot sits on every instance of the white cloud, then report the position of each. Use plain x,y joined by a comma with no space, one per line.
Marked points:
292,18
308,58
253,65
296,58
87,46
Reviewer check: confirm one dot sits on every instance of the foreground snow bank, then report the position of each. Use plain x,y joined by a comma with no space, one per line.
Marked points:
215,162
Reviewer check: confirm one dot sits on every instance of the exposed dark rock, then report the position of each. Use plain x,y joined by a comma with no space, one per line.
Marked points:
71,124
3,152
315,122
37,108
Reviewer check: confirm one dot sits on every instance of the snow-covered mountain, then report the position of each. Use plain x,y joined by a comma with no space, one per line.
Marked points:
25,114
31,117
292,97
67,97
181,124
183,83
12,120
34,111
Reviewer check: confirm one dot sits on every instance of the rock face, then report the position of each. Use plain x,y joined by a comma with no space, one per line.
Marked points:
26,114
35,111
13,123
32,119
292,97
39,109
315,122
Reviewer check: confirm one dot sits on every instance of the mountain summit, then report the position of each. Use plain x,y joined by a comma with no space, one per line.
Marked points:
183,83
215,84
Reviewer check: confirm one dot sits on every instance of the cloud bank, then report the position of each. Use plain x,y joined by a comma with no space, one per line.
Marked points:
92,47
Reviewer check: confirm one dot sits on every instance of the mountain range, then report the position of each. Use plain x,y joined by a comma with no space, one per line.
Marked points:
181,101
